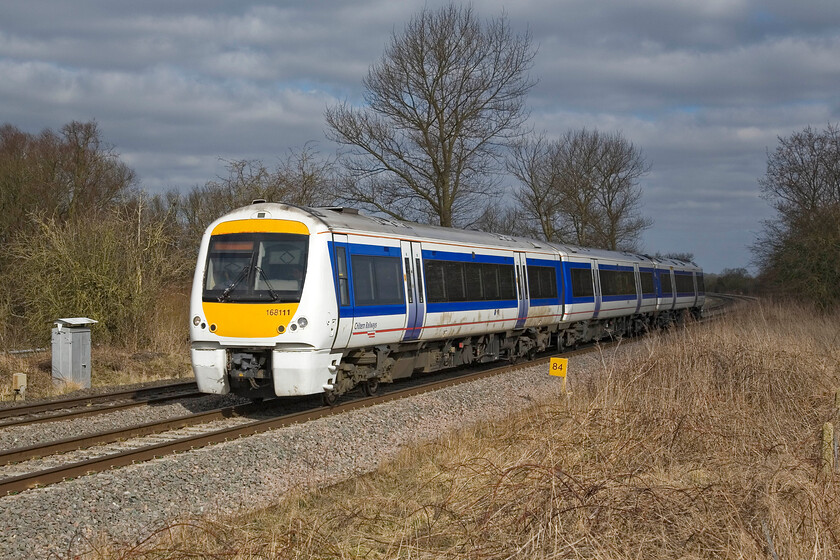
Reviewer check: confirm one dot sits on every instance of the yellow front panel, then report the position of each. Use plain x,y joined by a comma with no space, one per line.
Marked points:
261,225
248,320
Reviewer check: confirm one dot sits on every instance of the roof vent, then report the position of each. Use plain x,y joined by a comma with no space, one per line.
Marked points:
258,201
343,210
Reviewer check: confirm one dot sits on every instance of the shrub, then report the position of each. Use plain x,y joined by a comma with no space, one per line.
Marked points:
111,267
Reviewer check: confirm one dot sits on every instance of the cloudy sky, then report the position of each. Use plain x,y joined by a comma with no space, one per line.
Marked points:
703,88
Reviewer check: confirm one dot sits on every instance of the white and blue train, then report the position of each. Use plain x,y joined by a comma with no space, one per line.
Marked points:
289,300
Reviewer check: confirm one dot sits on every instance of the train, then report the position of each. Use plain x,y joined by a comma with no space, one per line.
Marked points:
290,300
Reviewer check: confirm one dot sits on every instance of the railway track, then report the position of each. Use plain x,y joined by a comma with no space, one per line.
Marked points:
720,304
174,435
52,462
77,407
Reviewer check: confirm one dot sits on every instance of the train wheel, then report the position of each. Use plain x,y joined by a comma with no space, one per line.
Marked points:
370,386
330,398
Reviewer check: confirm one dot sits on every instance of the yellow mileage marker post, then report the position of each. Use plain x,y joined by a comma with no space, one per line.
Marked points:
558,368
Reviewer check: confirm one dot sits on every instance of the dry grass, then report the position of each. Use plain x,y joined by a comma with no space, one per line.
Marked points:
706,445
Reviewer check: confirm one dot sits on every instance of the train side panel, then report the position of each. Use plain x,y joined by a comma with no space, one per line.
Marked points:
468,292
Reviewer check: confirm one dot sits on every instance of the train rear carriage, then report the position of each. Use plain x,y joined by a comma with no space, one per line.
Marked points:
680,290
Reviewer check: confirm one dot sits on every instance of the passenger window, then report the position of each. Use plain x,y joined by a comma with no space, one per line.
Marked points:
665,280
685,284
617,282
582,282
490,280
435,291
507,281
453,279
377,280
542,282
646,279
472,272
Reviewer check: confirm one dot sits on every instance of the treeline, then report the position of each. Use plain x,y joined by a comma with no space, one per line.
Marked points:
798,253
81,238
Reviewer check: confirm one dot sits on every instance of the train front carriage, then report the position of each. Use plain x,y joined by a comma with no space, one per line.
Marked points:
254,327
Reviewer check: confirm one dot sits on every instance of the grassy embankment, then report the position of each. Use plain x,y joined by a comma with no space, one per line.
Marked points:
706,445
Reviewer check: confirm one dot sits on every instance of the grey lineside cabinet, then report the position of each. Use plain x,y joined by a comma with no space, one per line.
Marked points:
71,351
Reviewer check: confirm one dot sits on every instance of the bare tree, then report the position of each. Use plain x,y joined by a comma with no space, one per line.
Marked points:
798,253
618,195
62,175
92,175
538,199
445,97
582,188
506,220
303,178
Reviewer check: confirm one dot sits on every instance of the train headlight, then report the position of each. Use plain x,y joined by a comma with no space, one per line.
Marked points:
293,327
281,329
196,320
302,322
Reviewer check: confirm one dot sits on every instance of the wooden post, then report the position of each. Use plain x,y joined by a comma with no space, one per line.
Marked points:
828,448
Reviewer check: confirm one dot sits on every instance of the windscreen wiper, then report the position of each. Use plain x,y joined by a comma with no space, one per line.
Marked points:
271,292
242,274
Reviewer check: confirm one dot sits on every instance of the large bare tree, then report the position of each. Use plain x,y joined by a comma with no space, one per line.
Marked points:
582,188
445,97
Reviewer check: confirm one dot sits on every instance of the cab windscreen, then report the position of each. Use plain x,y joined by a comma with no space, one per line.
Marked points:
255,267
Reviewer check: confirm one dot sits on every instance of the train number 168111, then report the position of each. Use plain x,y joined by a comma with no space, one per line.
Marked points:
277,312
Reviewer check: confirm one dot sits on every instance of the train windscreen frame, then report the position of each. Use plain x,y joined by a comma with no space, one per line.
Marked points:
264,267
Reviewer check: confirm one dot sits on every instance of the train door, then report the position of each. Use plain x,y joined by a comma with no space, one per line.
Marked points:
696,291
522,290
596,279
415,294
672,278
341,277
639,293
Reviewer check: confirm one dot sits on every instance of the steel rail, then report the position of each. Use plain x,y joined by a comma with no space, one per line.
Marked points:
102,409
99,464
19,454
20,410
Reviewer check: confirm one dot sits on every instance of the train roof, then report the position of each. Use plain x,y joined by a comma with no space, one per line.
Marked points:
351,220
